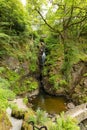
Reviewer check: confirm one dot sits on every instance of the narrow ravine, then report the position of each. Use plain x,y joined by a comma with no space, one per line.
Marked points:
44,101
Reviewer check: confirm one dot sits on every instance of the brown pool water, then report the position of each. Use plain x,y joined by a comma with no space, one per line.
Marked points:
50,104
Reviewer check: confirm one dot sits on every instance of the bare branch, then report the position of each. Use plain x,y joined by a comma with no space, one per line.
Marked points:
57,31
78,22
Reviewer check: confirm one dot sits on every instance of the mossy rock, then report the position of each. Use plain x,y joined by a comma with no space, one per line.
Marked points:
5,124
30,112
19,114
26,125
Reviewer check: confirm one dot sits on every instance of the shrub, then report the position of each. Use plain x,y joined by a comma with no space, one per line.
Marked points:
64,124
40,118
5,95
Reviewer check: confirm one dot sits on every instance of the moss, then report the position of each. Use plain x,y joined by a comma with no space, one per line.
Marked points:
25,100
4,121
30,83
25,125
23,60
5,95
19,114
29,113
85,75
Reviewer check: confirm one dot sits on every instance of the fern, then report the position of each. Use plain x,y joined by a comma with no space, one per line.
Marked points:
4,36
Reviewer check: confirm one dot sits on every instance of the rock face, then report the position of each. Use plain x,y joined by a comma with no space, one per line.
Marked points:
76,89
70,105
77,73
79,82
20,104
21,74
12,63
84,125
33,94
19,117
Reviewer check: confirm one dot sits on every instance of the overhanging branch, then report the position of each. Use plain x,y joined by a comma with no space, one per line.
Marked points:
45,21
80,21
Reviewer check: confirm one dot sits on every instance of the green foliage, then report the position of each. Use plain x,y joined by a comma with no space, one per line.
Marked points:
32,118
70,58
2,69
60,84
26,85
55,81
33,59
83,98
4,37
25,100
64,124
63,82
31,84
85,75
4,121
5,95
14,25
26,57
12,76
4,83
33,66
68,123
40,118
53,62
17,15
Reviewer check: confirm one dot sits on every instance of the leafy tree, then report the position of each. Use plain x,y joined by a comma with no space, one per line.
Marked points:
14,24
13,17
64,19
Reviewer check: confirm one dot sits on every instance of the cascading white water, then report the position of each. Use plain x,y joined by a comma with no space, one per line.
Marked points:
43,57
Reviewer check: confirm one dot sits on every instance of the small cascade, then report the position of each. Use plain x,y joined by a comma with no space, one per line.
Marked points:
43,57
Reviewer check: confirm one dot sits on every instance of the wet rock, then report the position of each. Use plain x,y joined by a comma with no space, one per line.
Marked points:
70,105
33,94
18,114
82,127
16,124
19,102
85,124
22,108
12,63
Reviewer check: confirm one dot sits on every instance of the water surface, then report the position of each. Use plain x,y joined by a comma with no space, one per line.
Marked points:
50,104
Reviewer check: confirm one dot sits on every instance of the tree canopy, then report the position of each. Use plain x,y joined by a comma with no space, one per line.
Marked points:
13,17
65,18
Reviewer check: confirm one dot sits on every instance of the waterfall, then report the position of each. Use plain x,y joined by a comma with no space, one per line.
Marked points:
43,57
